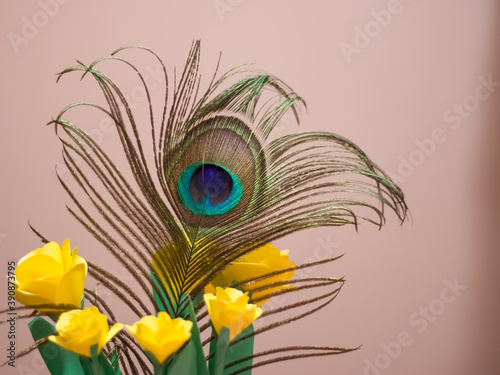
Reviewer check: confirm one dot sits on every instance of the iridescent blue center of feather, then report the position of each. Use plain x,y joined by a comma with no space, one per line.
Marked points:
209,189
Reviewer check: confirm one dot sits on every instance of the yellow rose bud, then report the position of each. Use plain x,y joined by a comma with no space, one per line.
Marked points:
230,308
51,275
262,261
79,330
162,336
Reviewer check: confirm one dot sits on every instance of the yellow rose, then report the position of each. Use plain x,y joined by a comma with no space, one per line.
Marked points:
262,261
162,336
230,308
79,330
51,275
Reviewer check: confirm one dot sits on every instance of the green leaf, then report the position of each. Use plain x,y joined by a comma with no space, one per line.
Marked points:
99,363
59,361
114,359
86,365
231,353
158,369
198,298
241,349
201,363
184,362
219,348
160,300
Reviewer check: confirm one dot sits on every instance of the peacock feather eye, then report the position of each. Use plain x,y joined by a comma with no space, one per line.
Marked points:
216,172
209,189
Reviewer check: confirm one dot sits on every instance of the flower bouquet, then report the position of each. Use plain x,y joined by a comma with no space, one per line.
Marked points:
189,208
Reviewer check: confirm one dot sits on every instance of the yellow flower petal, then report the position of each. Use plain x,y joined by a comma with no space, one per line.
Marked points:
66,257
51,274
70,288
229,308
230,294
53,250
79,330
238,270
37,267
260,262
235,320
209,289
262,252
29,255
43,288
161,336
29,299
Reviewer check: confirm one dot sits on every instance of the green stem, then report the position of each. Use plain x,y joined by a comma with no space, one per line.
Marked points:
220,351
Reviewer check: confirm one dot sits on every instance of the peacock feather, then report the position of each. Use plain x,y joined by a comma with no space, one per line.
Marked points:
208,183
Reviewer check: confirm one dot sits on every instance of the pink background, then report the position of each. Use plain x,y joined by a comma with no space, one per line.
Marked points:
389,98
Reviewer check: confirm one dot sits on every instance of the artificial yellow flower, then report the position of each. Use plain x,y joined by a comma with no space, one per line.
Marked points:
51,275
79,330
229,308
264,260
162,336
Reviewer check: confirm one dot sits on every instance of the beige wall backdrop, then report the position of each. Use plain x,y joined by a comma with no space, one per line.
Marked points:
416,84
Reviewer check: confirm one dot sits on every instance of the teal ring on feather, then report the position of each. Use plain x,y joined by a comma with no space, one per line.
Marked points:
209,189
